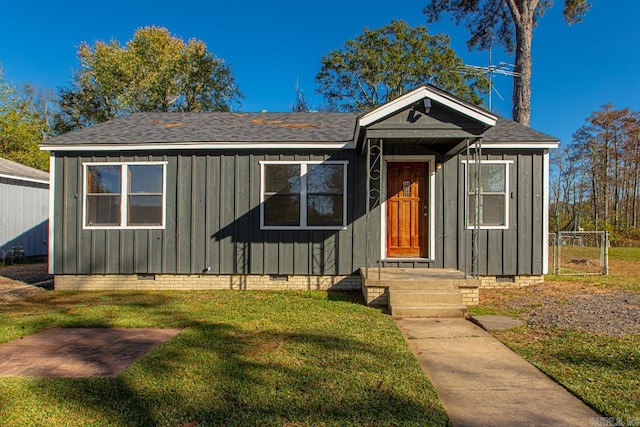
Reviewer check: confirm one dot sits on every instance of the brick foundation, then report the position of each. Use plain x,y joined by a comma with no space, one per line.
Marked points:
509,281
204,282
470,295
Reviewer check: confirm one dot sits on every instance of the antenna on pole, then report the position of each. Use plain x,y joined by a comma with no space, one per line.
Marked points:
503,68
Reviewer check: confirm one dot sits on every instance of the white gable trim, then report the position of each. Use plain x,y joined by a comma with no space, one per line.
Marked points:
423,92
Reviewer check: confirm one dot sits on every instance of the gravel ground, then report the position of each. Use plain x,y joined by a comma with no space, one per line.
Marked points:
615,313
593,310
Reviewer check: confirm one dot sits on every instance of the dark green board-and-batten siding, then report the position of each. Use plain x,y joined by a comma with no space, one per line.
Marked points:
213,218
517,250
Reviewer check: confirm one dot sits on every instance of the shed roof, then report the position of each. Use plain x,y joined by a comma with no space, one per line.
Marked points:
9,169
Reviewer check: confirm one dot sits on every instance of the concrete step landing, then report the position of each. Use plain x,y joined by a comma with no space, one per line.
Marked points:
419,292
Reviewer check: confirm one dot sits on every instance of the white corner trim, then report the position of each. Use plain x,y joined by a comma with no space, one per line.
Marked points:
424,92
545,213
52,198
252,145
430,161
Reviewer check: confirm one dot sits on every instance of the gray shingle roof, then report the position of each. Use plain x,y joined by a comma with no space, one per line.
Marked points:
216,127
13,169
221,127
507,130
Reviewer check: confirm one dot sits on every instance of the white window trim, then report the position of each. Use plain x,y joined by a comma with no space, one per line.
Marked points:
430,160
124,199
303,195
507,194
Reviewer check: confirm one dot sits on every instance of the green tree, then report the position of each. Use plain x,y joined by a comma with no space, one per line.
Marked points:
380,65
508,23
155,71
22,128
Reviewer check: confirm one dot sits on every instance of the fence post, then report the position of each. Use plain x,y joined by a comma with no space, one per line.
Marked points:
606,253
558,256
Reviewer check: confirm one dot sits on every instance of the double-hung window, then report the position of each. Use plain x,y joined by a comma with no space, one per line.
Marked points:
303,195
124,195
487,184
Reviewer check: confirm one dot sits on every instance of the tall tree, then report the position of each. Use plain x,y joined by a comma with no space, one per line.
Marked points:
22,128
382,64
606,154
155,71
508,23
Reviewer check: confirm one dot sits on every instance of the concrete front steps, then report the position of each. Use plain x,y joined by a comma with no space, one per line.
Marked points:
421,293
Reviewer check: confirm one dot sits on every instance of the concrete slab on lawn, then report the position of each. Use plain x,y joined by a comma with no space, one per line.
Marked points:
496,323
481,382
79,352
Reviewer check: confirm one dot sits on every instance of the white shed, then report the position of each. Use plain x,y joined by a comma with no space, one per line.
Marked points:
24,208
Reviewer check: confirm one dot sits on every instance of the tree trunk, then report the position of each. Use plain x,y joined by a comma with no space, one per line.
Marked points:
522,84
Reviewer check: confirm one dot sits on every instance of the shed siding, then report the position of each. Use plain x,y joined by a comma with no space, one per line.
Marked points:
213,217
24,213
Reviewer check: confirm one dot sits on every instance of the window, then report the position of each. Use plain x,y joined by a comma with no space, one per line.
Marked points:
308,195
491,180
124,195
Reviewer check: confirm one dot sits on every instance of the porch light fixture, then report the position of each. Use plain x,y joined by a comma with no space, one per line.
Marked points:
427,105
438,165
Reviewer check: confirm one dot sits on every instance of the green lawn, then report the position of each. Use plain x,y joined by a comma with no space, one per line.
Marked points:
244,358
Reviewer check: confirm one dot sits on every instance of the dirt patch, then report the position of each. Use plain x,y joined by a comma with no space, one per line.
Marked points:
17,281
79,352
25,273
572,306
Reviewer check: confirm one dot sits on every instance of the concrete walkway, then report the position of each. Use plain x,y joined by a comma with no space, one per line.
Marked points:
481,382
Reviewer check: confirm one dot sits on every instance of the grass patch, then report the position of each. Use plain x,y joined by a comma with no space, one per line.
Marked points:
602,371
244,358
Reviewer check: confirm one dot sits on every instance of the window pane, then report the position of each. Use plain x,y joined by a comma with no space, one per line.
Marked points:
492,178
103,179
492,210
282,178
325,179
145,179
103,210
145,210
324,210
282,210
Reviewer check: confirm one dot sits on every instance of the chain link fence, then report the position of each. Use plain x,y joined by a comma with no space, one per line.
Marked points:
579,253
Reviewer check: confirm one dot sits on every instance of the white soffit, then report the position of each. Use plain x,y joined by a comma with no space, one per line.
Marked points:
423,92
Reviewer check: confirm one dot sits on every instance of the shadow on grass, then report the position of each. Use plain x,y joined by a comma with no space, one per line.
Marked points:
244,370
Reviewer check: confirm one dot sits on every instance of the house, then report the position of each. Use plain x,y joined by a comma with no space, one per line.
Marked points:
299,200
24,209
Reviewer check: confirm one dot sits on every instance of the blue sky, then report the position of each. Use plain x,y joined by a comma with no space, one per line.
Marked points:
271,45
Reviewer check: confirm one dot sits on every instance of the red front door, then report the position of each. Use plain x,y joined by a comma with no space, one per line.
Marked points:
407,215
